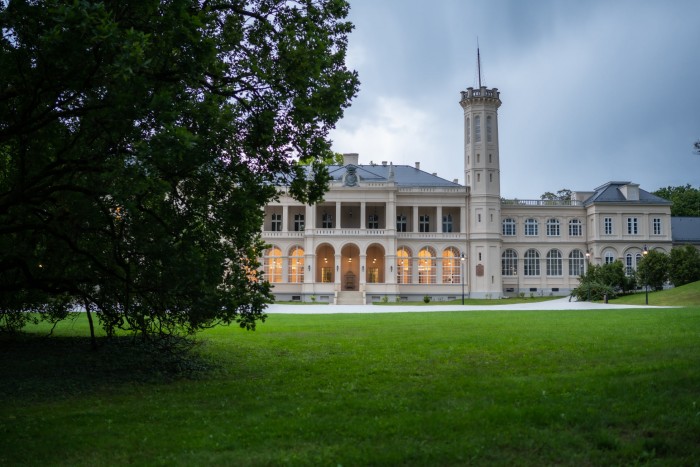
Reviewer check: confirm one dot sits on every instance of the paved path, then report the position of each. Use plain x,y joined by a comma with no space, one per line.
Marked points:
558,304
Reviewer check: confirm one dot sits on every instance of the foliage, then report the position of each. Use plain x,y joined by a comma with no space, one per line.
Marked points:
652,270
685,199
684,265
601,280
562,195
138,143
426,299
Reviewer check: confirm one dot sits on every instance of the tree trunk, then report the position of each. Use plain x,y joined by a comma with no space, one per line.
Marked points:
93,341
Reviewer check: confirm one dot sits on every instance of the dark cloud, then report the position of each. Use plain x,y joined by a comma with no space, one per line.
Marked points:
592,91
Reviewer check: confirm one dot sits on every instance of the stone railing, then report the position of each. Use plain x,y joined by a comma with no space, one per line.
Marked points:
540,202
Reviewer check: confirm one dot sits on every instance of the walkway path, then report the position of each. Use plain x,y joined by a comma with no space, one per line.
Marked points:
558,304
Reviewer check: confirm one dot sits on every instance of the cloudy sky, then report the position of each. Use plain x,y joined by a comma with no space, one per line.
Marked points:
592,91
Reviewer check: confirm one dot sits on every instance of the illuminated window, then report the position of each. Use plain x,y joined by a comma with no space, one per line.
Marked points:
403,269
426,266
272,265
296,265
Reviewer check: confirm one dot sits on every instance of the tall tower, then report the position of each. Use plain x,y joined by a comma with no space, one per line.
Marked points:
482,176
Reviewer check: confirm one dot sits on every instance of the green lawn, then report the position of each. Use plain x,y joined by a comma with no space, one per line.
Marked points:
608,387
685,295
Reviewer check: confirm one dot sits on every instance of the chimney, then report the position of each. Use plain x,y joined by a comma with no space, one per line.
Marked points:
351,158
418,165
383,162
434,174
456,180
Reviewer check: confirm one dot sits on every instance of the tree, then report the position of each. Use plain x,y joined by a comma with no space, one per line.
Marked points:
602,280
562,195
684,265
139,142
685,199
652,270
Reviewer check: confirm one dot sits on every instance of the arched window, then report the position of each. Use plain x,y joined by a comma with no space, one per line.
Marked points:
553,228
631,262
426,266
609,257
488,129
531,227
272,265
531,263
403,265
451,267
508,227
576,264
554,263
296,265
509,263
477,129
575,228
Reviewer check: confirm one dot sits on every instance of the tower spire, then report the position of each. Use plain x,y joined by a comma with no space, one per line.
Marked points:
478,60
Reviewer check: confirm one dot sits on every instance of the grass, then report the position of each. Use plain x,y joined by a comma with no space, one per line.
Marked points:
605,387
685,295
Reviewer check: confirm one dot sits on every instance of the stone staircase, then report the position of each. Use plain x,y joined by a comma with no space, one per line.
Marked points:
350,298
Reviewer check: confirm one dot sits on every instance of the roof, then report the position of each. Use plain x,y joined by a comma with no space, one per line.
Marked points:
685,229
611,192
402,175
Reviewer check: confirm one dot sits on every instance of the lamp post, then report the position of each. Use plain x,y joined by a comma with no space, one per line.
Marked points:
646,277
588,266
461,260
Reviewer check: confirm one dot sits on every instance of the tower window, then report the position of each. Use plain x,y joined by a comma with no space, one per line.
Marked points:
490,158
468,131
477,129
488,129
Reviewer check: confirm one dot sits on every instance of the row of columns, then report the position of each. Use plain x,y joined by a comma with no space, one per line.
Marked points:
310,217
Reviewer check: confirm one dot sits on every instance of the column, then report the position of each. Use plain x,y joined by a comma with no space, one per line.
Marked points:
439,219
338,205
415,219
285,218
363,215
363,272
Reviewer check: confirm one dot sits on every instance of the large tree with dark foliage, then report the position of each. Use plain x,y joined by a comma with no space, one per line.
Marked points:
139,141
685,199
684,265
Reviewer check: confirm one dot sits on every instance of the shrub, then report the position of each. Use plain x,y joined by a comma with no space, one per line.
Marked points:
426,299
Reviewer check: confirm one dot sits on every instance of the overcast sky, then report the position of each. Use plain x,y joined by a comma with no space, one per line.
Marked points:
591,91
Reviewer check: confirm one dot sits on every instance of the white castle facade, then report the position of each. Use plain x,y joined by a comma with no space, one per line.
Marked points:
401,233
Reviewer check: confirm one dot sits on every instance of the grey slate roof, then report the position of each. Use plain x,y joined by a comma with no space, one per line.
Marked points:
610,193
404,175
685,229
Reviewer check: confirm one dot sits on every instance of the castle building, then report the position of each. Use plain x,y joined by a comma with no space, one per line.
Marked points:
395,231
